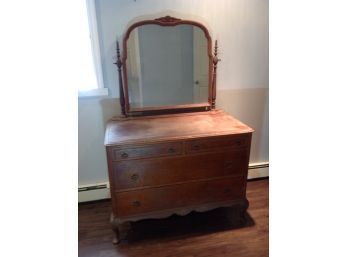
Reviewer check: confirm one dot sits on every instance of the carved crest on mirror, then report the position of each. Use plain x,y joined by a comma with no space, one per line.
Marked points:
167,65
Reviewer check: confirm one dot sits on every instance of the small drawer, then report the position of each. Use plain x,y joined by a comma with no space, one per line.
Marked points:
217,143
180,195
146,151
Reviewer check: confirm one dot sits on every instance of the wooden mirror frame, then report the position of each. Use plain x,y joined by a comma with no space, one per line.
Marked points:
121,61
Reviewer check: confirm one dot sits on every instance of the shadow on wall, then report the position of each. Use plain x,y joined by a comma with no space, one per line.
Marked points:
93,116
110,107
251,107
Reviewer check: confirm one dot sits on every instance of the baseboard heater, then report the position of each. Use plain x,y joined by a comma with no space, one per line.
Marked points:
99,191
95,187
93,192
258,170
258,165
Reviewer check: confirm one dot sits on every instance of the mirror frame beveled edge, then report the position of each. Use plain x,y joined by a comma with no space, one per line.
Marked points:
167,21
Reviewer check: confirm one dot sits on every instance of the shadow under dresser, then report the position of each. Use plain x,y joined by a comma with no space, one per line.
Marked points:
174,164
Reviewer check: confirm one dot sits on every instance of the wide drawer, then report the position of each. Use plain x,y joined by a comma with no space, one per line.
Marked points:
217,143
154,172
145,151
179,195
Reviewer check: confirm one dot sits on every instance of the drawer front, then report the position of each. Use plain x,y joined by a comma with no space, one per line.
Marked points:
154,172
217,143
146,151
181,195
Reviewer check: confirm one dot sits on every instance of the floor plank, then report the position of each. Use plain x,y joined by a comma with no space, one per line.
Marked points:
213,233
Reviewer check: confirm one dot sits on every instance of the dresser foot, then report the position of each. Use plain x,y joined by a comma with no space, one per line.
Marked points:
116,228
243,212
115,240
243,219
120,229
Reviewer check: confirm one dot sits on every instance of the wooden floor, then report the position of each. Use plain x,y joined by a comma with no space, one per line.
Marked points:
213,233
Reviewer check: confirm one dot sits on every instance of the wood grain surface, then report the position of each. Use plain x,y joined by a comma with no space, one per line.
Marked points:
212,233
179,195
155,172
161,163
150,129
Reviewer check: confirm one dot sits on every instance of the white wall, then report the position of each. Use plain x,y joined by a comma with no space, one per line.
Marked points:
241,27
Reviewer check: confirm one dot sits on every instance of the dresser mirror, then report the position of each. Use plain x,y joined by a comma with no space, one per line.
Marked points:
167,65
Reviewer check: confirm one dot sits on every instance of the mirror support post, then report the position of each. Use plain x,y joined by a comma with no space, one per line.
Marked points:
119,65
215,61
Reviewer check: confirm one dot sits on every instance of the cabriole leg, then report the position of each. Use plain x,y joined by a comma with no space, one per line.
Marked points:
116,228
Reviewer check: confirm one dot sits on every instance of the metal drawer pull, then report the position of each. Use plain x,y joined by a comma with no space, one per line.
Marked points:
196,147
171,150
136,203
135,177
229,165
227,190
124,155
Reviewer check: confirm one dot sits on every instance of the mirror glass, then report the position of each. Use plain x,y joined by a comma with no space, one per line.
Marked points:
167,66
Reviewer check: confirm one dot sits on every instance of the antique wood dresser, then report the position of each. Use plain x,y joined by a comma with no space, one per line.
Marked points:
174,159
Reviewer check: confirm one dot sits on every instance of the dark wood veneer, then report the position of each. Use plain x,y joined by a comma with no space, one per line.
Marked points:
146,151
221,143
165,171
178,195
166,164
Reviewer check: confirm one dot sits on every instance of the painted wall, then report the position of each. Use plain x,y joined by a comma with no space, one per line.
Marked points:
241,28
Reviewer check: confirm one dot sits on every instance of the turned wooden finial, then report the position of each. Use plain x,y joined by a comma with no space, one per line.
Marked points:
118,55
119,66
215,49
215,61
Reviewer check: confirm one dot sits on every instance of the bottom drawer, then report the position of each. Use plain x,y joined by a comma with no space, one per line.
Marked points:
180,195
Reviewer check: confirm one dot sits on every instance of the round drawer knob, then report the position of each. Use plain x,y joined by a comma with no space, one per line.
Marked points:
171,150
135,177
238,142
124,155
136,203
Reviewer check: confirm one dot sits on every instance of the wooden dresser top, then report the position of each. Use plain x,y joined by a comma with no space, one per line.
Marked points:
120,131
